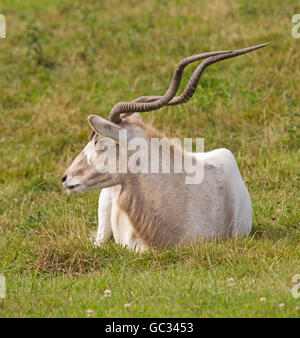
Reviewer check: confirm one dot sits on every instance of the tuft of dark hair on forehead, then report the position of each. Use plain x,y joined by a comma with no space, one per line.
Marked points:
92,134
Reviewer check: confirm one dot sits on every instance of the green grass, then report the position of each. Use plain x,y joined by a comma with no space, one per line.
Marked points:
64,60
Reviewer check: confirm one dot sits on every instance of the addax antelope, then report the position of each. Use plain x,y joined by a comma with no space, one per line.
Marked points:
142,209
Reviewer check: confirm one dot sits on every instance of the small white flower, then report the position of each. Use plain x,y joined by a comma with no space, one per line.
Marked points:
90,313
230,281
127,305
107,293
262,299
281,305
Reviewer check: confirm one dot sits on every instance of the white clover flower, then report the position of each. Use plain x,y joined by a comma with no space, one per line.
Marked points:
90,313
230,281
262,299
107,293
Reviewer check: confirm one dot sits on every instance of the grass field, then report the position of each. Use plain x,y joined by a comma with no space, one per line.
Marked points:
63,60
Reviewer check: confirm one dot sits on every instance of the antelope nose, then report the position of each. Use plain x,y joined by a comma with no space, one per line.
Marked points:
64,178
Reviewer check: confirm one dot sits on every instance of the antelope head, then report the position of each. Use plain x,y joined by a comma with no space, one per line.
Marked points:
86,172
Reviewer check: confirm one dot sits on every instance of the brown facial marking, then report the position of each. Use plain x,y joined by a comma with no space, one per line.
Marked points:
92,135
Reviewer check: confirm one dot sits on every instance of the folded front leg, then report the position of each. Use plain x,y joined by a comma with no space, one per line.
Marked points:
104,231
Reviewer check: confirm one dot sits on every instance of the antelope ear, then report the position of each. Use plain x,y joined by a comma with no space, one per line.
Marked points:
104,128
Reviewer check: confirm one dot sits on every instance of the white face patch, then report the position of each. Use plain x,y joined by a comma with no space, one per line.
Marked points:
89,151
105,162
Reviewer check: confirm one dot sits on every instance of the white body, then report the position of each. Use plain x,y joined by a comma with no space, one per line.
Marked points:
219,206
140,208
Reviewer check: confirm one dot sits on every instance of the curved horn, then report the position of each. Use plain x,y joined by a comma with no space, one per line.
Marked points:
193,82
149,103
